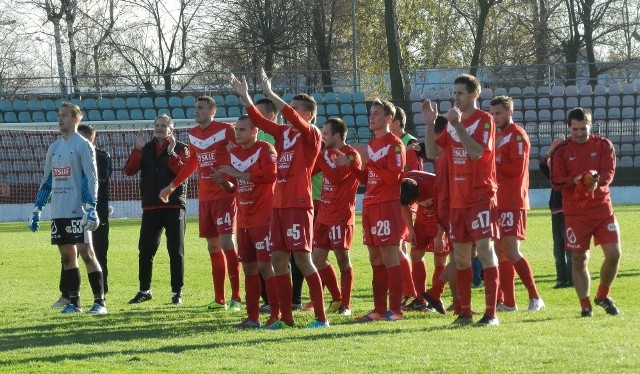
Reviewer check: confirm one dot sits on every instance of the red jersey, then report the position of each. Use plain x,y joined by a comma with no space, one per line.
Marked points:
442,181
209,145
297,153
383,171
512,167
471,182
254,197
427,205
339,187
571,159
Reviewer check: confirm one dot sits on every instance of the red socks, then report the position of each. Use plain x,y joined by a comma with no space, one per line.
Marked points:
284,297
394,279
315,291
491,284
272,293
526,276
463,283
218,272
408,288
380,287
419,273
329,279
507,279
603,292
233,268
346,285
252,297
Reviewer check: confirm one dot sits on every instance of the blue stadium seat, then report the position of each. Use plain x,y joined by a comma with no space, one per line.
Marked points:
444,94
189,101
24,117
118,103
108,115
599,113
136,114
5,106
500,91
178,113
544,115
332,110
628,113
418,119
233,111
48,104
34,105
517,104
543,91
515,91
349,120
191,112
362,121
364,134
146,103
485,105
317,96
330,97
150,113
544,103
166,111
586,102
416,107
104,103
94,115
529,104
360,108
231,100
571,102
557,91
58,103
52,116
122,115
321,110
38,116
358,97
161,102
321,119
571,90
19,106
288,97
486,93
133,103
344,97
558,115
600,90
88,104
628,100
614,113
444,106
557,103
517,116
530,116
346,109
77,102
221,112
175,102
529,91
258,96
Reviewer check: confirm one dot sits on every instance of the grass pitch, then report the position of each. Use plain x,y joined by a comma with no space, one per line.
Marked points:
160,337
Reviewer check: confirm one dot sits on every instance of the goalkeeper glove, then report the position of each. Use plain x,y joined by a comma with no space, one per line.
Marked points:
90,220
34,220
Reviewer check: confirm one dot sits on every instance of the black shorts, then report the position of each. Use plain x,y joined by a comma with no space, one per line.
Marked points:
68,231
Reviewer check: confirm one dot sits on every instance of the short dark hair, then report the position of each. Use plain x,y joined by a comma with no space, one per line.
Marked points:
243,117
505,101
472,83
441,123
389,108
309,103
578,114
400,116
337,126
271,107
209,100
408,191
87,131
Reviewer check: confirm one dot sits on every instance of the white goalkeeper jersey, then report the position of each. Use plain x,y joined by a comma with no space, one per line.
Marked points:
67,162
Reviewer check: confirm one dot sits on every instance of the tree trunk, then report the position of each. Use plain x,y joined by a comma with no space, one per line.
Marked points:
541,40
322,44
485,6
60,61
393,47
588,41
70,18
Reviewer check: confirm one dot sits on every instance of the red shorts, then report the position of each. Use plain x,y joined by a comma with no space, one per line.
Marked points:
425,233
382,224
253,244
513,222
291,230
332,237
580,229
217,217
474,223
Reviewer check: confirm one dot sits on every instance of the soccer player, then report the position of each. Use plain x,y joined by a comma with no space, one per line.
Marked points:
71,180
419,188
333,227
383,161
584,166
100,237
469,144
561,256
159,161
253,167
298,146
217,207
512,172
414,162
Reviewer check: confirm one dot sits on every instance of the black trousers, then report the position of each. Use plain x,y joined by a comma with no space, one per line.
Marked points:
173,221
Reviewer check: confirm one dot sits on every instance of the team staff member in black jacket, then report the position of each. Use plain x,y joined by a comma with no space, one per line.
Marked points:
159,161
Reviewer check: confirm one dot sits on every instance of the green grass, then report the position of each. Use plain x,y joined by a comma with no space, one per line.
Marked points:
157,336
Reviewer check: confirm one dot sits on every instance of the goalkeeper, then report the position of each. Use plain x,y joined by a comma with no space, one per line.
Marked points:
70,181
583,166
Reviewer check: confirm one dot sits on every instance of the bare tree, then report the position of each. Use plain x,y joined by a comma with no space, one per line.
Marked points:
54,13
400,85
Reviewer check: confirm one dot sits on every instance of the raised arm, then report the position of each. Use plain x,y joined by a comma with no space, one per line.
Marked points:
430,112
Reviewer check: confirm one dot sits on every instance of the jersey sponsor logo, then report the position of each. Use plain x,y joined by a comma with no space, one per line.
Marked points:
288,143
380,153
208,142
571,236
206,159
62,172
243,165
471,129
504,140
459,156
